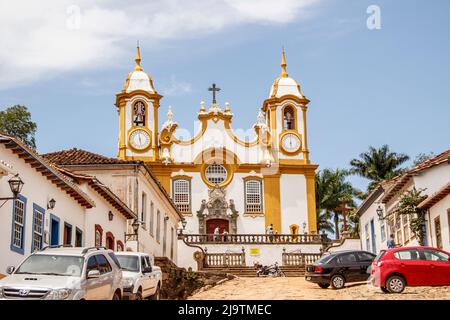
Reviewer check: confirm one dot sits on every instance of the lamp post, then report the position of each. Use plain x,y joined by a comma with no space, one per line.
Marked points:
16,185
51,204
380,213
135,225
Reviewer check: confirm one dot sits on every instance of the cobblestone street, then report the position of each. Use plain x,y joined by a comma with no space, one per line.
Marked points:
298,289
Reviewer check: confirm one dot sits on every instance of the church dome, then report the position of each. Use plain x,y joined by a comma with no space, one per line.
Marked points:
285,85
138,79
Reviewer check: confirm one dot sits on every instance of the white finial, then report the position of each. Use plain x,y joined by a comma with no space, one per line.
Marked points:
202,106
261,119
170,114
227,107
169,122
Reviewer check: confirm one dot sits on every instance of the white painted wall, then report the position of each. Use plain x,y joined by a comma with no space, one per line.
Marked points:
440,210
294,207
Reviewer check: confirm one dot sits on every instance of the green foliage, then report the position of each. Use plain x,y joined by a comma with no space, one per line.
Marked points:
332,190
16,121
378,165
408,204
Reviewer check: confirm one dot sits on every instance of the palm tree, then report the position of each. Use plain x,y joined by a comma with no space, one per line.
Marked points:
378,164
332,190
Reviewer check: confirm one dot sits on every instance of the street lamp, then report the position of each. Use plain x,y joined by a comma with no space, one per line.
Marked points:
380,213
15,184
135,225
184,223
51,204
110,216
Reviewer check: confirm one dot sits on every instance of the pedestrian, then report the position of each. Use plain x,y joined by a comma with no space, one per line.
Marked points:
216,234
225,235
391,242
270,232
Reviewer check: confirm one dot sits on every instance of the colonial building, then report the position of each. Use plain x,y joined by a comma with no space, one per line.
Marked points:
54,207
218,181
378,219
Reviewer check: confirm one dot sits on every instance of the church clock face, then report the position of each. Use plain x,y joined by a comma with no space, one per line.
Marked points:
290,143
140,139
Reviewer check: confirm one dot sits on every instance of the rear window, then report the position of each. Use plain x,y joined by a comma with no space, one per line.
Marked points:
380,255
325,259
411,254
114,258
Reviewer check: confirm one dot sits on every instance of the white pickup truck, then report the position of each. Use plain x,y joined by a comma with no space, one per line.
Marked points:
140,279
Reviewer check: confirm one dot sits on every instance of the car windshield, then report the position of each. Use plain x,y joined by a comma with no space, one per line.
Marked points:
55,265
128,263
325,259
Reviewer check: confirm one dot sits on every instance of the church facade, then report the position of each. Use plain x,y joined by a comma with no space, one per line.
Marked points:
218,181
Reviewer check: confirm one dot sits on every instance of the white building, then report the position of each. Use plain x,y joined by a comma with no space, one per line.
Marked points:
81,212
433,176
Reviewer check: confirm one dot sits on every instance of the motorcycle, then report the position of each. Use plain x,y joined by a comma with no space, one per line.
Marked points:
268,271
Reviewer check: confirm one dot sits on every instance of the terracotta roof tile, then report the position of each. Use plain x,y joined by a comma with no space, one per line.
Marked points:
81,157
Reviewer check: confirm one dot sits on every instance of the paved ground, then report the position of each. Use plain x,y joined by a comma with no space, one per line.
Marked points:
298,289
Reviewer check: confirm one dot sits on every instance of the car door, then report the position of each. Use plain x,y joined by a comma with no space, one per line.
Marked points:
94,285
106,277
365,261
153,279
349,267
438,263
146,277
411,265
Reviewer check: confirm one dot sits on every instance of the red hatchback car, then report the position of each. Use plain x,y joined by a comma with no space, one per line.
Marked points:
394,269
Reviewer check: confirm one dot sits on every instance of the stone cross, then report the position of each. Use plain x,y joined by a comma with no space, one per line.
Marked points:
214,89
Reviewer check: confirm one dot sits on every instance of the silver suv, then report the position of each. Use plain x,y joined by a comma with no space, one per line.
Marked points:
65,273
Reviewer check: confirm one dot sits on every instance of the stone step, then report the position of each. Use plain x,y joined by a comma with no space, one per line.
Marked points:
248,271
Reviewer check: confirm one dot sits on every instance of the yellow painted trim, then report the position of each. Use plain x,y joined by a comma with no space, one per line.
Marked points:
311,202
181,177
228,167
252,177
272,201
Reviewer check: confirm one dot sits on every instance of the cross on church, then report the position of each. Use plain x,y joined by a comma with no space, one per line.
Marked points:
214,89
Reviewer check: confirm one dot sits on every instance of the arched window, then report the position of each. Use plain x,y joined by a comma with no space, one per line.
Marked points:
216,173
98,235
253,196
110,241
139,113
120,246
182,194
289,118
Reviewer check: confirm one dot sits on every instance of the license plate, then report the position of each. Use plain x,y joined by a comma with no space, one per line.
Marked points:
308,278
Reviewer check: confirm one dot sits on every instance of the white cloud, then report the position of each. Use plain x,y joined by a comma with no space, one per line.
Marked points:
175,87
43,39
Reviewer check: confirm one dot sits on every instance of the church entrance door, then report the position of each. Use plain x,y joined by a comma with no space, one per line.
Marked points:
211,225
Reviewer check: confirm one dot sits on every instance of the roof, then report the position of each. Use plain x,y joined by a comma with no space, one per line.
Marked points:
79,157
48,170
436,197
402,180
104,191
69,251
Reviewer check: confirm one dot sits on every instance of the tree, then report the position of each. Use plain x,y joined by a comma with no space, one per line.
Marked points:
16,121
332,190
409,204
422,157
378,165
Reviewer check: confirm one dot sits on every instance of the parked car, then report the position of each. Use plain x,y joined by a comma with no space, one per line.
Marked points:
65,273
395,269
140,279
338,268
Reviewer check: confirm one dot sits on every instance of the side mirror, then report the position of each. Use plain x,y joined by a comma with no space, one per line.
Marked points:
93,274
10,269
147,270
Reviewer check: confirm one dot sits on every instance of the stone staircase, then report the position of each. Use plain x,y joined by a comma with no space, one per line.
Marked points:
245,271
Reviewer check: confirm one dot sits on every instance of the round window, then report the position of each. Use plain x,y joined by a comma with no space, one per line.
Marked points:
216,173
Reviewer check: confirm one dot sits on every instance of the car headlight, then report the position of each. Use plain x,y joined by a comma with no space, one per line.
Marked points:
1,292
59,294
127,282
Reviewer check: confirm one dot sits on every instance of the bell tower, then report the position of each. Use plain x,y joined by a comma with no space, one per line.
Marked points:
285,112
137,105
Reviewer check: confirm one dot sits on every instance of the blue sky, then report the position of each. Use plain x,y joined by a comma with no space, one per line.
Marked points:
367,87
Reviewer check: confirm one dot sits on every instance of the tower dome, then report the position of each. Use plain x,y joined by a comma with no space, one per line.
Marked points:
138,79
285,85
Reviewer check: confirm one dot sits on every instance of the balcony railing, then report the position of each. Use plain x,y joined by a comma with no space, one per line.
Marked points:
299,259
254,239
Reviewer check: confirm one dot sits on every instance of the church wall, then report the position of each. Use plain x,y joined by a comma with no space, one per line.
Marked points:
294,209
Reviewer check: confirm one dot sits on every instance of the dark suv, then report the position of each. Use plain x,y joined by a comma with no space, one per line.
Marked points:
340,267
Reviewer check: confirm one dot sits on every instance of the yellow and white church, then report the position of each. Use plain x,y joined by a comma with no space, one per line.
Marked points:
217,180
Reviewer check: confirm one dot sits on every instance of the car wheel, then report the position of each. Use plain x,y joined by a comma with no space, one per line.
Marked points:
139,295
395,284
324,285
157,294
337,282
384,290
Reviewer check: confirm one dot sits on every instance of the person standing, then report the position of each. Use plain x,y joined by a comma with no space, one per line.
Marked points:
216,234
391,242
270,232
